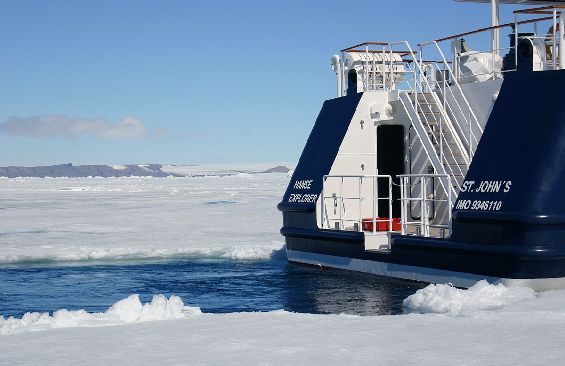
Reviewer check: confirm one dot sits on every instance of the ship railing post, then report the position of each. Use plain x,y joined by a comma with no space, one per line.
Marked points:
554,47
561,40
375,203
449,208
370,64
389,203
453,64
390,70
401,205
343,83
441,137
494,22
407,191
423,80
422,206
427,221
323,202
515,42
493,55
383,71
360,204
366,86
377,211
341,205
422,70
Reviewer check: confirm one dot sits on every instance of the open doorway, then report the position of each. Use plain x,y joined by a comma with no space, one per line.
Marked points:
390,161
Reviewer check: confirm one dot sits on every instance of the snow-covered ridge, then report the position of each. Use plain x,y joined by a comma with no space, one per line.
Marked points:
125,311
138,170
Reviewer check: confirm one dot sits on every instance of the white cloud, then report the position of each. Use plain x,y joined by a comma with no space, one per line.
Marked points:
60,125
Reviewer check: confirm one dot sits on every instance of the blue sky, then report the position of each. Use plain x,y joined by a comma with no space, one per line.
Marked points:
183,82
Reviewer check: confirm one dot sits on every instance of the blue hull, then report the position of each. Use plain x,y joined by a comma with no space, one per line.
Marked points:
523,238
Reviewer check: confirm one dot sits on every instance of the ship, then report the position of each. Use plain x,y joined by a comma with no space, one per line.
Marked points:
441,161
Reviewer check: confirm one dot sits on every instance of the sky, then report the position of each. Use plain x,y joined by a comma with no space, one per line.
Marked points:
186,82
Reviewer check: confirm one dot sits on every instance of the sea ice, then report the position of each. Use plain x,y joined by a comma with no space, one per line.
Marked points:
106,219
528,332
444,298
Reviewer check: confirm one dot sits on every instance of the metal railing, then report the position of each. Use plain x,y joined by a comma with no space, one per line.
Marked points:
552,40
355,201
433,114
418,190
378,69
453,99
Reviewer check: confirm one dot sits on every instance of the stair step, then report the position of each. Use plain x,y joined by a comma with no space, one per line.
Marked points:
446,132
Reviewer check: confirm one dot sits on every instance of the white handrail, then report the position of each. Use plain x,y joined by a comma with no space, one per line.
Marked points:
423,225
356,218
456,82
422,83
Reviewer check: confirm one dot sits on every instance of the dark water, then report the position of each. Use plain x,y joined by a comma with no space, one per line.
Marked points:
216,286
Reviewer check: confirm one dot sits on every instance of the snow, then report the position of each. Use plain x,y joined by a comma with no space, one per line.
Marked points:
118,167
79,220
530,331
444,298
128,310
144,167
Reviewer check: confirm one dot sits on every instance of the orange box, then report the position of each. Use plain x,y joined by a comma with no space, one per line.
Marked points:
381,224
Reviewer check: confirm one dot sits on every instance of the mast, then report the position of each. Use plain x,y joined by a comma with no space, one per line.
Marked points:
495,21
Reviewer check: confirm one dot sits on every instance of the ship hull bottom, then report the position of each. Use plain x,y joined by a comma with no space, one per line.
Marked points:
415,273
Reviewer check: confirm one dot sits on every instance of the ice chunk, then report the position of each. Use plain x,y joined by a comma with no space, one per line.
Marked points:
128,310
449,299
276,250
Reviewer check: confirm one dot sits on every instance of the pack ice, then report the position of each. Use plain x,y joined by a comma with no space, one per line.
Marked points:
507,326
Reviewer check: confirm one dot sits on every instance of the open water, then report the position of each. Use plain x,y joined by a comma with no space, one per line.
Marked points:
214,285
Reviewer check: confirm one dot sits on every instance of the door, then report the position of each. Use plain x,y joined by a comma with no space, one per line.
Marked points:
390,161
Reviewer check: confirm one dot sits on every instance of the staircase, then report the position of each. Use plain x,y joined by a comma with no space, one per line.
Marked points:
440,139
445,139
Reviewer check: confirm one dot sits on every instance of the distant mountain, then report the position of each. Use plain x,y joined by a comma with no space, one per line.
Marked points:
142,170
278,169
71,171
